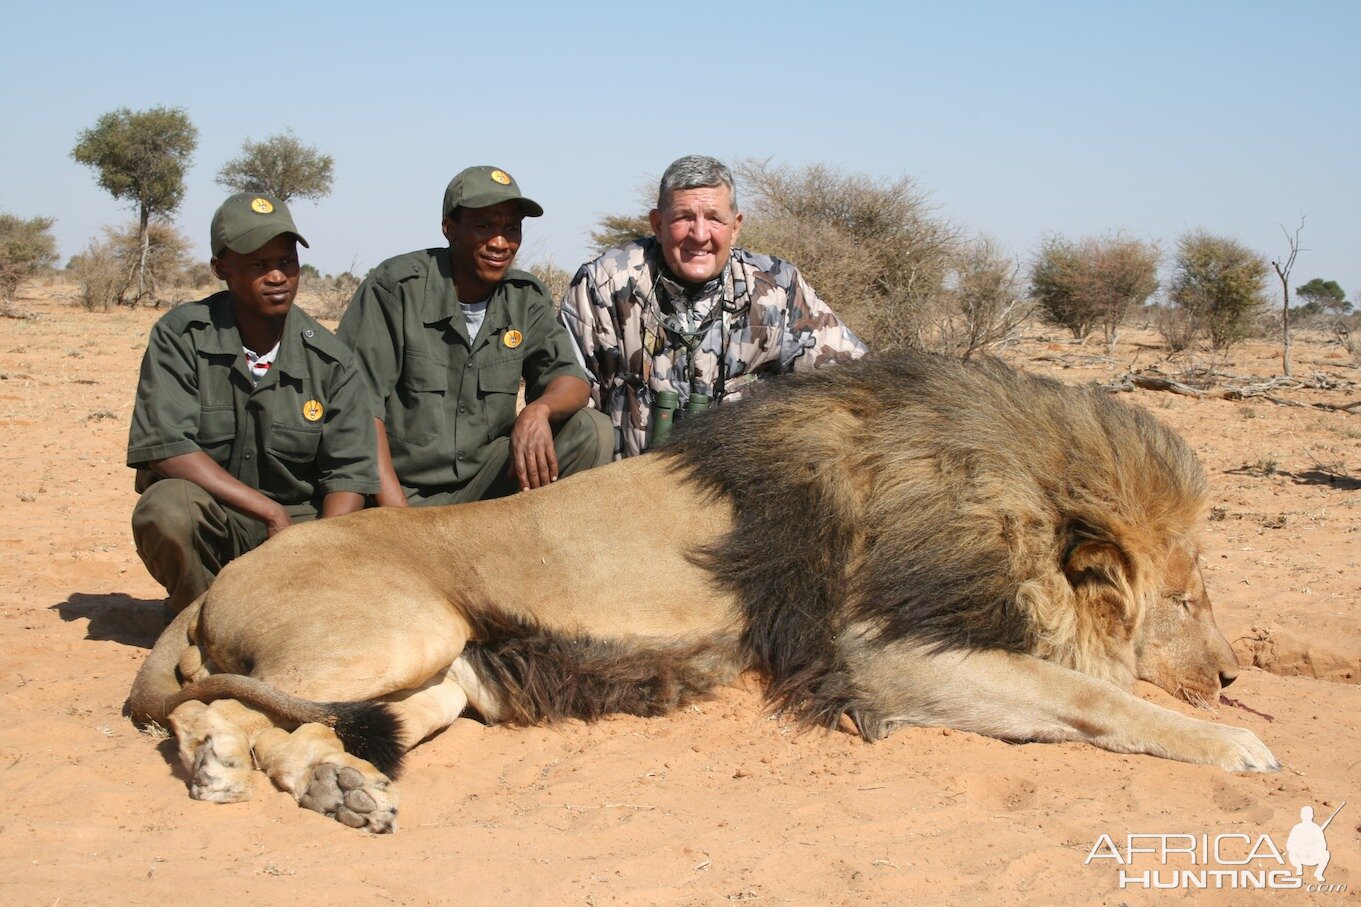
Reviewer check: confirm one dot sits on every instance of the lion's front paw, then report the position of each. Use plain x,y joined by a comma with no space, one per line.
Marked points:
353,793
1233,749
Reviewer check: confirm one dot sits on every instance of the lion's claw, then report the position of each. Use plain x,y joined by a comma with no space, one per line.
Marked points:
1248,752
1234,749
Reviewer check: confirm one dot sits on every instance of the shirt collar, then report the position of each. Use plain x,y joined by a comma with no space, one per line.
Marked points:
441,301
223,336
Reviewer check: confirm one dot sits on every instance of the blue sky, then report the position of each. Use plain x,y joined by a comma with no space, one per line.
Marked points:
1020,119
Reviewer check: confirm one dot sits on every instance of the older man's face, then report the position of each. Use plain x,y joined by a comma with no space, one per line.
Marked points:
696,230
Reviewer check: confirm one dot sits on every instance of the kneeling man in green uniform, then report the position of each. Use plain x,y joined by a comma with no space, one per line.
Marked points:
444,337
250,415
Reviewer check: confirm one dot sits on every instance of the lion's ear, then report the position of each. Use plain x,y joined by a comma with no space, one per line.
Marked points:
1098,571
1100,576
1094,560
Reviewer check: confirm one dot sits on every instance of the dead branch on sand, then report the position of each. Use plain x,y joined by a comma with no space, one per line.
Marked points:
1261,389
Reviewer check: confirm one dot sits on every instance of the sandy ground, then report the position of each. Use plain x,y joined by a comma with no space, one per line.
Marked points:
717,803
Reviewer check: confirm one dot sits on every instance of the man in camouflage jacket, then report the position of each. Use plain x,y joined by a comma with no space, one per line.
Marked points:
685,311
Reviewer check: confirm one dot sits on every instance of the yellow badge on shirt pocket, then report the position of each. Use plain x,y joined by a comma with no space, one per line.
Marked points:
512,339
312,410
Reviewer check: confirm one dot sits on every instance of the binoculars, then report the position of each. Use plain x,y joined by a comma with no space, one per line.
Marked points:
664,413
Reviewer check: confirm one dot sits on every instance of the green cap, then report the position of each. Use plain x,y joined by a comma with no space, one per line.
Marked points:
482,187
248,220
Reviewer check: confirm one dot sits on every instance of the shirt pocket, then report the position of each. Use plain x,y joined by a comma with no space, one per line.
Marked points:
216,431
498,384
417,414
294,443
500,377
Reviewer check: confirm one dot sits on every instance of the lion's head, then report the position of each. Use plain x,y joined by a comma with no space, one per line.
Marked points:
956,506
1179,646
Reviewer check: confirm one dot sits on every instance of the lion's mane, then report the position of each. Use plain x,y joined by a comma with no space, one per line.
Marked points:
938,502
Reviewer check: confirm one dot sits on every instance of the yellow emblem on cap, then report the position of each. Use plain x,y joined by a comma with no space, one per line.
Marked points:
261,206
512,339
501,177
312,410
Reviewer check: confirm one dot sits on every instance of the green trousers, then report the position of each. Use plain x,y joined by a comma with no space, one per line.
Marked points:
581,442
185,537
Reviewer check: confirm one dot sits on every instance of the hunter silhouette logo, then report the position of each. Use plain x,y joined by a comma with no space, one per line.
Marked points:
1306,845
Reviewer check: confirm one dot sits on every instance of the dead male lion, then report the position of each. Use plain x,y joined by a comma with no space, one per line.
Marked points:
905,540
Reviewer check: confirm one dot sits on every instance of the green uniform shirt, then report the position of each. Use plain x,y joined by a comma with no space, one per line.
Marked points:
445,396
305,431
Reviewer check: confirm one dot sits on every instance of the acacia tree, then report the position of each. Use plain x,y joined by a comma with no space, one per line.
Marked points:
26,247
1321,295
1095,282
280,166
616,229
141,157
1220,284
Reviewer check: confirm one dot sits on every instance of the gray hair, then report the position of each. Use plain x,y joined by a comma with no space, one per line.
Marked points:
695,171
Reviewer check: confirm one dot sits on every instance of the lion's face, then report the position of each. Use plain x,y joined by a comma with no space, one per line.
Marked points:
1179,647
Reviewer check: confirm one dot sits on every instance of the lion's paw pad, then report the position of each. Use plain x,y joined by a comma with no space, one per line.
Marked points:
344,794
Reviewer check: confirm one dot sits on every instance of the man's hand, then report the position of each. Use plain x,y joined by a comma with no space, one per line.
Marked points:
533,461
278,519
203,471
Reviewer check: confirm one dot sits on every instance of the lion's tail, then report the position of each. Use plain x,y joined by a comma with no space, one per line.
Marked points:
369,730
157,680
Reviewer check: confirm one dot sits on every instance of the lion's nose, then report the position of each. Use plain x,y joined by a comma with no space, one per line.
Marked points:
1227,677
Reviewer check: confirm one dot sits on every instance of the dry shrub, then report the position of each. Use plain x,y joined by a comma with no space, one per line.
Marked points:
107,268
555,279
101,276
333,293
27,247
1220,284
1178,329
876,250
1346,329
1094,282
982,305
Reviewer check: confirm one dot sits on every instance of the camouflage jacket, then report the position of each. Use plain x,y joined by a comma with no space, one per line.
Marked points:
640,332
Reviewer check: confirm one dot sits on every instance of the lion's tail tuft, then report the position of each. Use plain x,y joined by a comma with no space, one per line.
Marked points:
370,730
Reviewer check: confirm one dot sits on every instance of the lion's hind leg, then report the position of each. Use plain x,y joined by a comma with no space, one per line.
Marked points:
313,765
